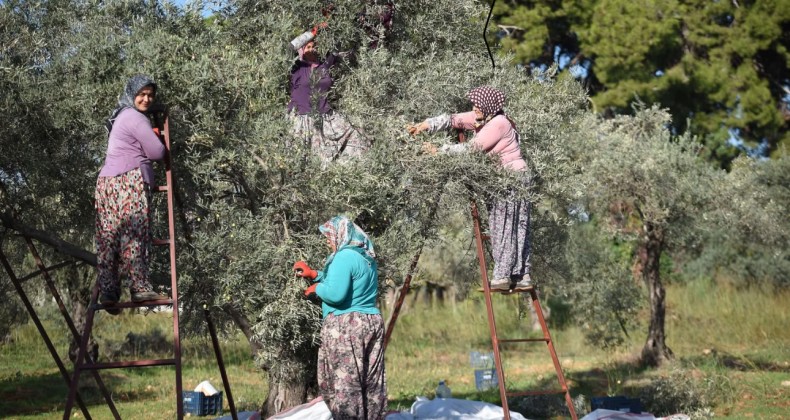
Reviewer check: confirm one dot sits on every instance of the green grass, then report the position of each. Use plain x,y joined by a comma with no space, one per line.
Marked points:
31,386
732,351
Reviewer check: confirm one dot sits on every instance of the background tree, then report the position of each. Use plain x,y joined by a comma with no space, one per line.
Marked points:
722,66
650,188
749,246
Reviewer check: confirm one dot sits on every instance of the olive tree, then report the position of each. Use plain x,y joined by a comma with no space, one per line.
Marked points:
649,188
248,199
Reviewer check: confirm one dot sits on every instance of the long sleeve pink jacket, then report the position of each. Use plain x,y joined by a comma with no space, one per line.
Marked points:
497,136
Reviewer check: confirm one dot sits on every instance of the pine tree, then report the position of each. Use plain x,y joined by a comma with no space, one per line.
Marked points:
721,66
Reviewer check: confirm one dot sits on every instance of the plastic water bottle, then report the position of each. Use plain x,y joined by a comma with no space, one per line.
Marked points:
443,391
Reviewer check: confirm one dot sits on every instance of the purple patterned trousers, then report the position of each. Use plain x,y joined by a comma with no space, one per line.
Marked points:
351,366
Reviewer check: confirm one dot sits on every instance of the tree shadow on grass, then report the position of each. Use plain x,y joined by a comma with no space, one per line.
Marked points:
742,363
44,393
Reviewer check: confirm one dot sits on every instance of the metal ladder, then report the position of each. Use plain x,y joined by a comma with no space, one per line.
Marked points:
496,341
161,121
44,271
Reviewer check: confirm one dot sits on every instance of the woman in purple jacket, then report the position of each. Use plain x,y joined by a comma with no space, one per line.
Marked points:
321,129
123,195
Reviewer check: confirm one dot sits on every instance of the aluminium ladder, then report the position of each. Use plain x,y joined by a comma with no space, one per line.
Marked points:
496,341
161,122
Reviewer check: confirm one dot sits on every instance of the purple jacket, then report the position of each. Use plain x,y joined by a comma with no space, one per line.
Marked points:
132,144
305,78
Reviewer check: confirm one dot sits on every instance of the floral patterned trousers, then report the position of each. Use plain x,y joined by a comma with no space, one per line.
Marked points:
508,222
351,375
123,231
330,137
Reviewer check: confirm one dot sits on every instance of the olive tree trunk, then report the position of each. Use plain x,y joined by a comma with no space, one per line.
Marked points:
655,352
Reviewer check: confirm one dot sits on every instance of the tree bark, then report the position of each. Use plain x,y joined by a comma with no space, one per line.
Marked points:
50,239
284,393
245,326
655,352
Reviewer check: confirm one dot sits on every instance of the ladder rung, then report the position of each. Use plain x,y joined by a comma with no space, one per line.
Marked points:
541,392
126,305
485,237
50,268
524,340
509,291
160,242
161,188
130,363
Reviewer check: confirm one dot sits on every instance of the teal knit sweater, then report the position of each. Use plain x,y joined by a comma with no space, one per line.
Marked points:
349,284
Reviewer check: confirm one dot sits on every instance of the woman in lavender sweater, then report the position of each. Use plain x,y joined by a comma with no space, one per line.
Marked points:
508,219
123,195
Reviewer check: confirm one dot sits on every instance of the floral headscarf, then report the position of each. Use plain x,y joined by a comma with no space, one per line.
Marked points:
490,100
343,233
126,100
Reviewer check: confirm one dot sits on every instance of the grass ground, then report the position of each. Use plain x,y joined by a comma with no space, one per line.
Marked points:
732,357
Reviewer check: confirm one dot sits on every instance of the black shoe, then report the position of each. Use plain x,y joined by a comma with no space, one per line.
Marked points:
138,297
110,299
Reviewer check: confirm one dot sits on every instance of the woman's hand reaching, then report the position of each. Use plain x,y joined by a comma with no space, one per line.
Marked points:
418,128
429,148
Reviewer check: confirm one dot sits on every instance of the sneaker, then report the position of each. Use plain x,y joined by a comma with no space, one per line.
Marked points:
524,283
110,298
500,284
145,296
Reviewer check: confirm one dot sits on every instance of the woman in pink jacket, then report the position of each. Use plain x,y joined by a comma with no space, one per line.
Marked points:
508,219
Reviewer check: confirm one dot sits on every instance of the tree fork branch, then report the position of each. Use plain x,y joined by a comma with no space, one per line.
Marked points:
244,325
48,238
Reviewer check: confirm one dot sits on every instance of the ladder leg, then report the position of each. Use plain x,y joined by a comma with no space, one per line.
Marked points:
547,336
221,363
490,310
171,229
75,334
41,330
86,333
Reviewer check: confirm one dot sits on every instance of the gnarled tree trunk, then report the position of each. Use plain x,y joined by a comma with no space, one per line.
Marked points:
284,394
655,351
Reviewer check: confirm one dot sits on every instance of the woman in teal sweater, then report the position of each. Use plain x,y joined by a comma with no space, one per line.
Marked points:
351,375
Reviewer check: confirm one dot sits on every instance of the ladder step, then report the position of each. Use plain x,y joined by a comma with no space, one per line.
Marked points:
510,291
542,392
126,305
130,363
160,242
525,340
485,237
161,188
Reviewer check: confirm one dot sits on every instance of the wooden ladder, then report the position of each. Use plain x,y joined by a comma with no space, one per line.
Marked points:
161,122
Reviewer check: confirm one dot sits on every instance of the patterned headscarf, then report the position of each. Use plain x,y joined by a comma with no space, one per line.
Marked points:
490,100
343,233
301,52
126,100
